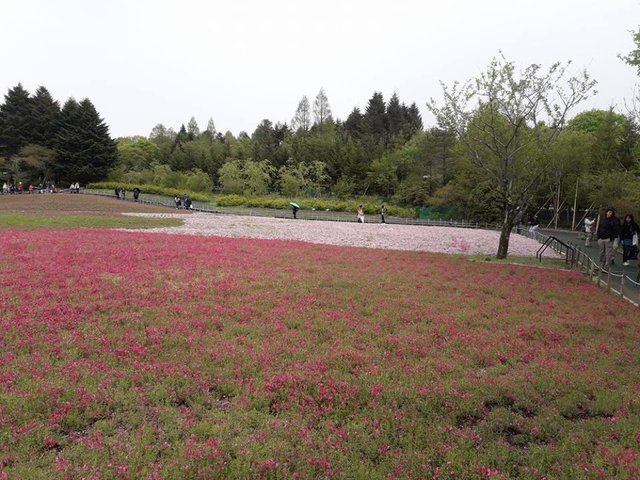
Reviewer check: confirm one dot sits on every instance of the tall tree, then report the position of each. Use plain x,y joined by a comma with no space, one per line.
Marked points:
353,126
498,120
16,121
375,117
395,116
613,139
414,119
193,131
211,127
265,142
321,108
46,118
302,118
84,149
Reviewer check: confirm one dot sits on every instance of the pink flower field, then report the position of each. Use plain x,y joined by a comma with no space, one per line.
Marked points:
372,235
153,356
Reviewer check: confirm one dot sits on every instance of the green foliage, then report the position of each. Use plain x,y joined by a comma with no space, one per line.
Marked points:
496,117
633,58
84,150
164,177
371,206
146,188
16,121
246,177
621,190
137,154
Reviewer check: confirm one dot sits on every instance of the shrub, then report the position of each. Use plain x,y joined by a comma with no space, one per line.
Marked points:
151,189
370,205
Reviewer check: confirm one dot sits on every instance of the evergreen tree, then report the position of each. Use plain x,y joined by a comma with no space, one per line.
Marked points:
395,116
46,116
181,137
353,126
414,119
16,121
375,117
84,149
264,141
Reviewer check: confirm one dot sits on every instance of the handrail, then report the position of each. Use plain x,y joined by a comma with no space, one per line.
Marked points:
570,251
628,287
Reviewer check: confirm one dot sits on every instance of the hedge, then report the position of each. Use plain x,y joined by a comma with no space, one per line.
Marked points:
151,189
370,206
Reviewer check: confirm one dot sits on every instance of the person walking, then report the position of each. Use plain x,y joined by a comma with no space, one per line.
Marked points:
136,194
608,233
383,213
360,212
588,229
627,231
533,226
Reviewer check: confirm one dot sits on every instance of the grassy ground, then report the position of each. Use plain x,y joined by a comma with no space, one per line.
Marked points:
136,355
66,211
532,261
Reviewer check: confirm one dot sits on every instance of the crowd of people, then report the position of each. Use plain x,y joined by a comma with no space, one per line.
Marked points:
11,188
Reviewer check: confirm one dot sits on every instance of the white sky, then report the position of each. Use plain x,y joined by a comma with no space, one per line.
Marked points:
144,62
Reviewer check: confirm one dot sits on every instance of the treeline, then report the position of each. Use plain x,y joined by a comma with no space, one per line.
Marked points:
383,151
40,142
377,152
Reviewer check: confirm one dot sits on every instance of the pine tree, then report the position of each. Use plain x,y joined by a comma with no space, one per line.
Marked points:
375,117
84,149
353,125
16,121
395,116
414,118
46,116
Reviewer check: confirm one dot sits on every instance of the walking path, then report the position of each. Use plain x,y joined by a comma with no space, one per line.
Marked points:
623,278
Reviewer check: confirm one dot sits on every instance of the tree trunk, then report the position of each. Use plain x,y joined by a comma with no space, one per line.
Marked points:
505,233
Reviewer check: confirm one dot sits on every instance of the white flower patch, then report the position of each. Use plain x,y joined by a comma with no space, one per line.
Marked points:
452,240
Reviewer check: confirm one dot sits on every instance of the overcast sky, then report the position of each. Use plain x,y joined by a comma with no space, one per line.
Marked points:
144,62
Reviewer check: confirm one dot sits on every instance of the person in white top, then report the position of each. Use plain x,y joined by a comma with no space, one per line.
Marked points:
588,229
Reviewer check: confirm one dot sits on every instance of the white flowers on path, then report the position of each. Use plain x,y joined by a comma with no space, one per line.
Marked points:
451,240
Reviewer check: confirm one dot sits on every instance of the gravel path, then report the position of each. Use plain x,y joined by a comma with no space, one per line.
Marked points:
370,235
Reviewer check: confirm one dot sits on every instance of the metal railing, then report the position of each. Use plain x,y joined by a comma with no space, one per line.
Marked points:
620,284
558,246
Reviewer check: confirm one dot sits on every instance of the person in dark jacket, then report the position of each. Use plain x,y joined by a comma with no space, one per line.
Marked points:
608,233
628,229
